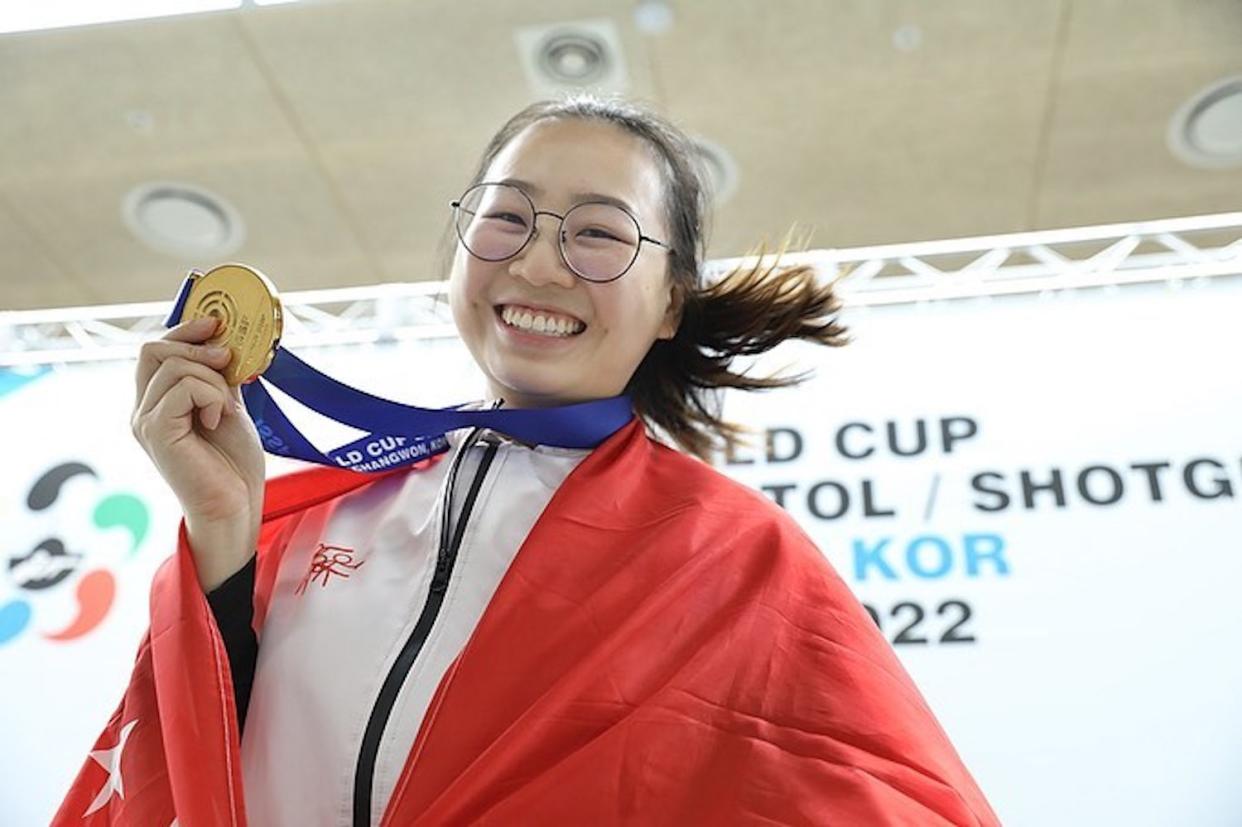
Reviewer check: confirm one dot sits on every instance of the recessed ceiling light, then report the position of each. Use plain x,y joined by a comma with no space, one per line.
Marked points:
571,57
183,220
574,58
1207,130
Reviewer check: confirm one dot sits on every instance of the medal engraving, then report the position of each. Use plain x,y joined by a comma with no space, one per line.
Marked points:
246,304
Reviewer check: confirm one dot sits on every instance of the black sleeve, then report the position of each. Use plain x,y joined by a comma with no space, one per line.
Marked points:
232,604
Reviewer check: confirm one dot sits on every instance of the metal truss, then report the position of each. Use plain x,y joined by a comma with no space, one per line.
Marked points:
1172,250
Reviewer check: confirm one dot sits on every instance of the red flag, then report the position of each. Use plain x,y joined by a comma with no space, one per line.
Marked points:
667,647
182,757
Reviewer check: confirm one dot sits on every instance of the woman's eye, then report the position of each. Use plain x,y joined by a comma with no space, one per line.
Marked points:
597,233
507,217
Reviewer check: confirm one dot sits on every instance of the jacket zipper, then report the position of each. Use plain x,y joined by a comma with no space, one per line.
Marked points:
364,774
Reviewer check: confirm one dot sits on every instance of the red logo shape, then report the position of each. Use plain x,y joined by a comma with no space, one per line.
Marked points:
327,561
95,593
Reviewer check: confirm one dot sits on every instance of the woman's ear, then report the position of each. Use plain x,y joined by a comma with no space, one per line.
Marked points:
672,312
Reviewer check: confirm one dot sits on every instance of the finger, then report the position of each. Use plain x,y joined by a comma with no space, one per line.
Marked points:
170,372
195,330
172,417
152,354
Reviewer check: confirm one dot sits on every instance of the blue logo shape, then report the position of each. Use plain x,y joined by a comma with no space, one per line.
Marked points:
11,380
14,616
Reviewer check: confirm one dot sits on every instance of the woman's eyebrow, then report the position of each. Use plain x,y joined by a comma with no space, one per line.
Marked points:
536,190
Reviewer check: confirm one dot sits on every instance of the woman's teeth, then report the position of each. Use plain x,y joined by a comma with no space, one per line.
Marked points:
535,322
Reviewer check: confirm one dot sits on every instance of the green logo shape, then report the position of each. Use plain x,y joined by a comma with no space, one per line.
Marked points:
126,511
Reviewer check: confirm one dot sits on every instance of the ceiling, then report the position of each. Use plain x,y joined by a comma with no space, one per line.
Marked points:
339,130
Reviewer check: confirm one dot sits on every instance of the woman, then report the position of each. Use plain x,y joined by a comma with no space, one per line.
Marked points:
523,633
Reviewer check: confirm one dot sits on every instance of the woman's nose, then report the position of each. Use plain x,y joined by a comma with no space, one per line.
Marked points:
540,261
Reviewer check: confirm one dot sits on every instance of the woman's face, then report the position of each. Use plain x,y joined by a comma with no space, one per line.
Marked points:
562,163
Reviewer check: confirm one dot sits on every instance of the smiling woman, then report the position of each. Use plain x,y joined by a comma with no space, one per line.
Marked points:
589,269
633,234
531,631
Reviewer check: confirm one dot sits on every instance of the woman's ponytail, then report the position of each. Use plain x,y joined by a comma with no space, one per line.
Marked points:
749,311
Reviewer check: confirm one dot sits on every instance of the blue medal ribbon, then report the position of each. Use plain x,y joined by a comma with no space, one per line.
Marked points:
399,434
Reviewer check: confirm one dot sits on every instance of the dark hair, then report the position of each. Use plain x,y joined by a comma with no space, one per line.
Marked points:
747,312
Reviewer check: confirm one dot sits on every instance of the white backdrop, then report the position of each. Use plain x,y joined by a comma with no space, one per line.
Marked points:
1074,639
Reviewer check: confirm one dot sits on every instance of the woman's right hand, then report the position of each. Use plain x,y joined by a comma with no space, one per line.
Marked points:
194,427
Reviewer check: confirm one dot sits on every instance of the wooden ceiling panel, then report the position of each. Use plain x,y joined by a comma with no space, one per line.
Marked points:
341,128
29,277
1108,155
398,100
291,226
1106,32
834,127
1127,67
112,97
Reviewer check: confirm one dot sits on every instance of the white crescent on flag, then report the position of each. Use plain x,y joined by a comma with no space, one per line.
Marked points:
110,760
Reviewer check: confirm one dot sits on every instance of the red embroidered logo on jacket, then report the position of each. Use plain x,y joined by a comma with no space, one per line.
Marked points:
327,561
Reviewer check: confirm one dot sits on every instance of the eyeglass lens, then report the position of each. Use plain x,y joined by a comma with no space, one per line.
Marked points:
599,241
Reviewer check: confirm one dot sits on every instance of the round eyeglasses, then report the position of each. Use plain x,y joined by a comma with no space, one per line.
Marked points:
598,241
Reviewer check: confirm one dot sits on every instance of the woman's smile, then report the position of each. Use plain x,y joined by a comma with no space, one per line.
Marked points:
522,326
533,319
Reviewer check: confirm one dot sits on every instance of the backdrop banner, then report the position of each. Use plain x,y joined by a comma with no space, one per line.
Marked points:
1038,498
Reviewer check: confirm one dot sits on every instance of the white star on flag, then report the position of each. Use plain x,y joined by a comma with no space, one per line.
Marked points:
110,760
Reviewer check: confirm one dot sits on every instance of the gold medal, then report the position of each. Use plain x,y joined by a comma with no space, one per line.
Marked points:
246,304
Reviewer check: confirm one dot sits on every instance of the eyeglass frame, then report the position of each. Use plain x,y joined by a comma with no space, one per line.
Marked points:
560,230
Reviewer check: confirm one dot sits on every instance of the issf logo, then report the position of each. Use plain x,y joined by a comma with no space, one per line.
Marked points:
49,563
